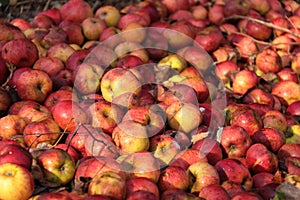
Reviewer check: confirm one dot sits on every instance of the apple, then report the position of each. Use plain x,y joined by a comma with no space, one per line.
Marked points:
34,113
199,12
232,188
187,157
129,61
256,30
246,195
292,134
44,131
274,119
76,11
173,177
243,81
62,79
214,191
202,174
272,138
141,184
210,148
51,195
11,125
177,194
191,120
98,143
133,32
141,164
10,175
287,150
293,109
68,115
209,38
179,34
268,60
70,150
152,117
76,59
74,32
92,28
260,159
61,51
292,165
287,74
49,65
24,56
259,96
179,5
59,95
180,15
288,91
235,141
261,179
164,147
34,85
128,47
231,169
87,78
109,14
42,21
53,13
57,166
21,23
109,184
131,137
105,115
89,167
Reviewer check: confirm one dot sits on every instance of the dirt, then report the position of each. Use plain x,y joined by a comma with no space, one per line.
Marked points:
27,9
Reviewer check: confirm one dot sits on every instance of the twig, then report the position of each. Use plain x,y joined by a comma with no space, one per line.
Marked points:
47,5
268,24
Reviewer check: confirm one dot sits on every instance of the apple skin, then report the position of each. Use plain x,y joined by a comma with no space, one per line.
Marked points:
34,113
141,194
105,115
109,14
268,60
113,85
260,96
274,119
287,150
235,140
70,11
272,138
21,23
131,137
44,131
187,157
92,27
292,165
57,166
258,31
10,175
42,21
34,85
68,114
261,179
61,79
247,195
209,147
288,91
203,175
214,191
293,109
173,177
49,65
90,166
177,194
233,170
70,150
141,164
74,32
61,51
11,125
15,153
108,184
141,184
243,81
260,159
59,95
236,7
24,56
16,106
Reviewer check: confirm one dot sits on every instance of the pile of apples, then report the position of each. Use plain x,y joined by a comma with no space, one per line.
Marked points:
162,99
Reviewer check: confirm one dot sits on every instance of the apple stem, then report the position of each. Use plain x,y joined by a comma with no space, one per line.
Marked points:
11,68
268,24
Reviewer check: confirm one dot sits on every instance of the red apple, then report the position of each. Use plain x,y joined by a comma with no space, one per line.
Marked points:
34,85
68,115
61,51
34,112
59,95
57,166
44,131
288,91
109,14
243,81
187,157
214,191
92,28
141,184
233,170
24,56
76,11
70,150
11,125
173,177
49,65
21,23
274,119
235,140
272,138
209,38
260,159
268,60
288,150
